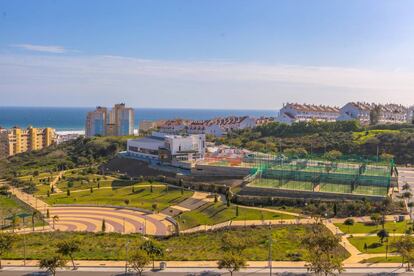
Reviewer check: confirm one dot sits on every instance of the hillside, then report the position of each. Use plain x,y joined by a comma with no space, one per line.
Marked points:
319,137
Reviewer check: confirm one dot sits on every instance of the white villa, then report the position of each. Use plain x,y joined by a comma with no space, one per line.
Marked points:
294,112
389,113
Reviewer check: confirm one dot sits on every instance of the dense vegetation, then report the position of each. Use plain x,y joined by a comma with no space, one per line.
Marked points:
76,153
348,137
199,246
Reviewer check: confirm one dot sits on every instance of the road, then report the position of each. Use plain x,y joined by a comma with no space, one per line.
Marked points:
20,271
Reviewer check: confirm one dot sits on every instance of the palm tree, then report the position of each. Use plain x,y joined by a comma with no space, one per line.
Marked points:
51,264
55,219
153,250
68,248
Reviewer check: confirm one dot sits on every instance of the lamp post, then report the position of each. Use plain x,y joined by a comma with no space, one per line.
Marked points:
126,256
270,249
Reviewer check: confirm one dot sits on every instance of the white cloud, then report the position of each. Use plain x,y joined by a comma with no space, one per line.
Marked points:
91,80
41,48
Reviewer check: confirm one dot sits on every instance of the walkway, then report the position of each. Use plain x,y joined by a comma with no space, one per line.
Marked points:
55,180
90,218
197,200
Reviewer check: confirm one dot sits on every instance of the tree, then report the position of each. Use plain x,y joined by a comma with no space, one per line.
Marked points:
322,252
349,222
68,248
138,260
333,155
376,218
153,249
55,219
51,264
6,244
405,247
154,206
231,262
374,115
103,227
34,214
382,234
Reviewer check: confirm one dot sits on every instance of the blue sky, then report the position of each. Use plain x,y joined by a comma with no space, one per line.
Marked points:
205,54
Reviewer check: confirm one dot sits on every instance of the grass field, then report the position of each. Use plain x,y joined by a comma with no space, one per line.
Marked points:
335,188
360,227
324,187
199,246
359,243
371,190
142,197
9,207
275,183
213,213
390,259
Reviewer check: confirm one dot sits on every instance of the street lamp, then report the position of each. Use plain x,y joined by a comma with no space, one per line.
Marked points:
126,256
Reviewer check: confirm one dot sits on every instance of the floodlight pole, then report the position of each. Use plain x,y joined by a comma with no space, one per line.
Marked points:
270,250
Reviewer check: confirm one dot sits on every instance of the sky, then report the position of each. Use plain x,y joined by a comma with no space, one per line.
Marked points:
220,54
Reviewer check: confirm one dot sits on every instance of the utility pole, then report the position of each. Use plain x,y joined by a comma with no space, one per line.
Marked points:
270,250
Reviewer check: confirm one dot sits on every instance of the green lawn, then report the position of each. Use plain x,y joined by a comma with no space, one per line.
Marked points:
391,259
213,213
199,246
9,207
275,183
359,243
142,197
360,227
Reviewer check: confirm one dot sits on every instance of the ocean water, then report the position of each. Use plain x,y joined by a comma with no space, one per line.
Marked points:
73,118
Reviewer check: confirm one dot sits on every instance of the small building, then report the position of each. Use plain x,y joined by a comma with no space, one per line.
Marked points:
175,150
361,111
294,112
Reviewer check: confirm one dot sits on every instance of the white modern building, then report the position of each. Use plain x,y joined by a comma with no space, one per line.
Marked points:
176,150
388,113
294,112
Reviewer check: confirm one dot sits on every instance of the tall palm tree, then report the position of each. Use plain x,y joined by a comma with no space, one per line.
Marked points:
55,219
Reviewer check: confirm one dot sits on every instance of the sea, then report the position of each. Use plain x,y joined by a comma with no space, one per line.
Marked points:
72,119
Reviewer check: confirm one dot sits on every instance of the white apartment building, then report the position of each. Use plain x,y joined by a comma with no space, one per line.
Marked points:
388,113
169,149
294,112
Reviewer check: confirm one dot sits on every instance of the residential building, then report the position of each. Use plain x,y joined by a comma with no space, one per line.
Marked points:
17,140
146,125
264,120
175,150
205,127
96,122
117,122
294,112
176,126
123,120
361,111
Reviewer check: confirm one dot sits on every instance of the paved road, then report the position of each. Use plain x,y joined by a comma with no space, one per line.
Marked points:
261,272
